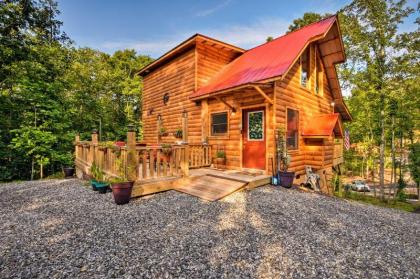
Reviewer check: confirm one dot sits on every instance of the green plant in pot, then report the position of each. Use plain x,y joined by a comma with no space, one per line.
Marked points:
122,186
178,133
283,160
220,159
98,182
162,132
93,170
68,165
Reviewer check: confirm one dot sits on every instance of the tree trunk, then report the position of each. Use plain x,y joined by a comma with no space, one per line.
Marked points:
32,169
393,170
41,170
382,157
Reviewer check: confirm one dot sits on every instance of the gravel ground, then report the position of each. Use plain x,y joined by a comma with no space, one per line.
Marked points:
62,229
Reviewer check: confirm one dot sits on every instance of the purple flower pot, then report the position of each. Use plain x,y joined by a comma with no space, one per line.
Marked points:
286,178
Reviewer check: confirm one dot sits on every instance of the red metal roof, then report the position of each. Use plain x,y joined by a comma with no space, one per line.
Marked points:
321,126
266,61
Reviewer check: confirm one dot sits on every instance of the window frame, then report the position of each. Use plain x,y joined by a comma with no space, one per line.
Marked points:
297,131
211,124
319,74
306,51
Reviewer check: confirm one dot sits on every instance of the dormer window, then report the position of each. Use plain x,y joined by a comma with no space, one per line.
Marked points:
304,68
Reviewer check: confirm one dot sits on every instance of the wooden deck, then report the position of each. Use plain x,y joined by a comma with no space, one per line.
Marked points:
205,183
210,188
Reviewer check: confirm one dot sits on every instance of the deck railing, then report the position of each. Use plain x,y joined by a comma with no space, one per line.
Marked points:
140,162
199,155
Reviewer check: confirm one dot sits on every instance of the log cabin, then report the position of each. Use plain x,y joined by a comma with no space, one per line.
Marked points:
235,100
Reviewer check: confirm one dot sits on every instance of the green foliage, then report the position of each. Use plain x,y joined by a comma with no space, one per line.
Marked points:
284,158
414,164
49,91
221,154
359,197
306,19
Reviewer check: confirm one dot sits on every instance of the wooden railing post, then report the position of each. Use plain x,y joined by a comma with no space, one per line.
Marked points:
76,147
185,158
131,154
185,127
93,146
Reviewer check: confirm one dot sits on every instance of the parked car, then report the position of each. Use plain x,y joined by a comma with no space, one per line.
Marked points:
360,186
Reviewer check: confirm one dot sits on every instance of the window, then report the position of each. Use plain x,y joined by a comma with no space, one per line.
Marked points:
256,125
304,68
219,124
319,77
292,133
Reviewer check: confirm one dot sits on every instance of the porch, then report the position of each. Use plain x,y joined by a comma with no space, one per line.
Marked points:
185,168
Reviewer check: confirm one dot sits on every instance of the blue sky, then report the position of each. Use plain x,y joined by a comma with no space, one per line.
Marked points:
153,27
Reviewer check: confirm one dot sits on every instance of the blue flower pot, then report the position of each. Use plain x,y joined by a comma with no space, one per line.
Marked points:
102,187
93,184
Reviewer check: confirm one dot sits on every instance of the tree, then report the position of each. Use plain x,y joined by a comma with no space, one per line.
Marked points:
306,19
414,165
371,28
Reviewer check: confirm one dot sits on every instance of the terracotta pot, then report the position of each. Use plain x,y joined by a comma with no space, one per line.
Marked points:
286,178
68,172
220,163
122,192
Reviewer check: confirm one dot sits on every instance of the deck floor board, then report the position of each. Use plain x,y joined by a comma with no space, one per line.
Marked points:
210,188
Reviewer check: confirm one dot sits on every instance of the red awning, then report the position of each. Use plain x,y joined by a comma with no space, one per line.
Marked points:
323,126
266,61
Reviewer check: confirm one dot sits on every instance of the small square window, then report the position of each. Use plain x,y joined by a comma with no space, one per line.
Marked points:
219,123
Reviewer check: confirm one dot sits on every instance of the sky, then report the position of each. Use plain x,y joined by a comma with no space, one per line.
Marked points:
154,27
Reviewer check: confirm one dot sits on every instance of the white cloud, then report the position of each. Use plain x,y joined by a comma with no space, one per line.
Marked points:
213,9
245,36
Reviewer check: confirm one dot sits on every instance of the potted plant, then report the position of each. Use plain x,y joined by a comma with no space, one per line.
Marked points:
178,133
93,181
220,159
121,186
162,132
68,167
283,160
98,182
166,150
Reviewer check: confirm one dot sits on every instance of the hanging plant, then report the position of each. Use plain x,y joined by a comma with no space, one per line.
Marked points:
178,133
162,132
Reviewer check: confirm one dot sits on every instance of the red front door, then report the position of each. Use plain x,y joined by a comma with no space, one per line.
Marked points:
253,138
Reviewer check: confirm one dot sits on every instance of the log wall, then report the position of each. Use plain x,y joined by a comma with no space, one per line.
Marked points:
290,94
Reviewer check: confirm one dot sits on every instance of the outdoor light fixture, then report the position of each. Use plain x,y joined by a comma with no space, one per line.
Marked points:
333,105
159,117
184,114
233,112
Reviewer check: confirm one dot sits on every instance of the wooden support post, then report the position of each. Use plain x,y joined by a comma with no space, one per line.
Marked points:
204,120
131,154
259,90
76,146
185,127
158,126
185,162
93,147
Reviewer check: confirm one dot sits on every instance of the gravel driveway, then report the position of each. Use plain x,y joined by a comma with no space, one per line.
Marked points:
60,228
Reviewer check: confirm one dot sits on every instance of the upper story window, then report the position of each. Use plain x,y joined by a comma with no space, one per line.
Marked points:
292,133
319,85
219,123
304,67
